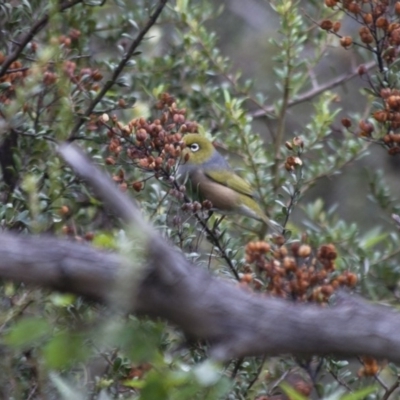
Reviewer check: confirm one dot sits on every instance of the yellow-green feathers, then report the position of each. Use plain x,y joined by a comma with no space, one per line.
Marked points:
212,177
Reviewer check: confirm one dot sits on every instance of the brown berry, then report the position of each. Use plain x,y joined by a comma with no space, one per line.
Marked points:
367,38
346,41
137,186
326,24
385,93
394,151
336,26
380,116
246,278
387,139
346,122
289,263
304,250
64,210
354,8
89,236
397,7
96,75
362,70
331,3
110,161
366,127
382,23
351,279
289,145
368,19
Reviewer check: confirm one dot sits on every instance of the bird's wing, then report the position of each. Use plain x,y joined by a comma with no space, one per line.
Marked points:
231,180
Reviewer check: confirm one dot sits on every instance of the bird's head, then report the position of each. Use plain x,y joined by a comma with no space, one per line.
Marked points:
199,148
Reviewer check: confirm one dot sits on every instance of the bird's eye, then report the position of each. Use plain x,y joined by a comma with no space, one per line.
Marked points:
194,147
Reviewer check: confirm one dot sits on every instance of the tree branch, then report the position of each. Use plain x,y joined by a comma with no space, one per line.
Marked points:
315,91
238,323
152,20
235,321
37,27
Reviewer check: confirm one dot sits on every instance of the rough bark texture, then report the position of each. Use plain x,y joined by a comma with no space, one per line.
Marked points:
237,323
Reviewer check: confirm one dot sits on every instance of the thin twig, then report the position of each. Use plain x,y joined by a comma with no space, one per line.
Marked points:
286,94
258,372
213,239
396,218
236,367
390,390
307,184
11,71
152,20
37,27
315,91
294,197
379,380
339,380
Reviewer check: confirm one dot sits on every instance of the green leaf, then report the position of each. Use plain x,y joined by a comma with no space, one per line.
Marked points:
65,349
105,240
5,85
372,238
154,388
134,383
292,393
359,394
62,299
181,6
27,331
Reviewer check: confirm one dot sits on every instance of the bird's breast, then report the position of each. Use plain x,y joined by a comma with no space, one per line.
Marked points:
222,197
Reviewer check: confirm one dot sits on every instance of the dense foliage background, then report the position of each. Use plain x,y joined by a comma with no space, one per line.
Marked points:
312,122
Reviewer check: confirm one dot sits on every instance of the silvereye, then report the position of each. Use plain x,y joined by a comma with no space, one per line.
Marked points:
213,179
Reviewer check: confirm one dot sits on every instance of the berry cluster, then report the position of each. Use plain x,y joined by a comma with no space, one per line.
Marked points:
379,33
378,20
85,78
15,75
300,382
138,371
370,367
152,145
295,146
390,116
70,229
296,272
69,39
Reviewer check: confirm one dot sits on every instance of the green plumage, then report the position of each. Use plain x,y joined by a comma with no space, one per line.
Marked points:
231,180
213,179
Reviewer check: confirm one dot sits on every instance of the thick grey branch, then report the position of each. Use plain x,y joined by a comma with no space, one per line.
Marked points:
237,322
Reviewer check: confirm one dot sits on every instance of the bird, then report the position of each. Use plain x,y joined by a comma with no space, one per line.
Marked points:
210,177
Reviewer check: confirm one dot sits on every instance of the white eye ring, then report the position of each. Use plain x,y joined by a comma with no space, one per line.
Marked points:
194,147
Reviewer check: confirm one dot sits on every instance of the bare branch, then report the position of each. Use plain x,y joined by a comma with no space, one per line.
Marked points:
315,91
37,27
152,20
